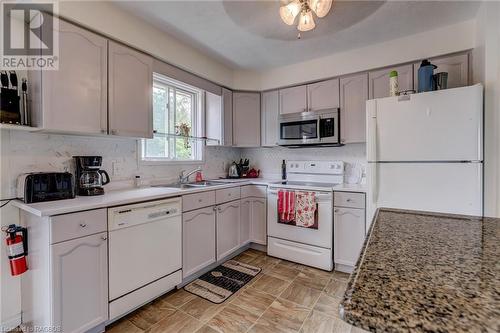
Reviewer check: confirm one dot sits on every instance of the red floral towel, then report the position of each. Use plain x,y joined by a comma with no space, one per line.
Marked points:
286,206
305,210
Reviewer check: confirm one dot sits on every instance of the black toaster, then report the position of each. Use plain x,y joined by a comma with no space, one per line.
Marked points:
45,186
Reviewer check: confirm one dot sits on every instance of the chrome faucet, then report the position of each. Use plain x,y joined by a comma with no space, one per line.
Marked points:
183,179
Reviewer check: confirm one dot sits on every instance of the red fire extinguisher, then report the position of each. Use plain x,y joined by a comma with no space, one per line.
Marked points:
17,248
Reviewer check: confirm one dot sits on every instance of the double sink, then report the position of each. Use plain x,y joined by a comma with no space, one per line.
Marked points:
202,184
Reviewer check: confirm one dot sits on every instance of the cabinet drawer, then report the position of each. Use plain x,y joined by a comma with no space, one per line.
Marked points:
227,194
198,200
349,199
258,191
75,225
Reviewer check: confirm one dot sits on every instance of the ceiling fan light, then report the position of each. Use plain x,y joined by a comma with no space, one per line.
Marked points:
320,7
306,21
290,11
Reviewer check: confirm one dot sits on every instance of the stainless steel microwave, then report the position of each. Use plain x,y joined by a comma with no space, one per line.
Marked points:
310,128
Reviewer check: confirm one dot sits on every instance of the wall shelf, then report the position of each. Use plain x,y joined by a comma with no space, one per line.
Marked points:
190,138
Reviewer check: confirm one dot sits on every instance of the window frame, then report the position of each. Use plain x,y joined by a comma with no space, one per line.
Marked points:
198,124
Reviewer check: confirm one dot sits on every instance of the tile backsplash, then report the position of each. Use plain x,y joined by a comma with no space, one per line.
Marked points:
23,152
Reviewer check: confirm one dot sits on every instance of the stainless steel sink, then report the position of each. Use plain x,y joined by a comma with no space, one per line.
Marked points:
190,185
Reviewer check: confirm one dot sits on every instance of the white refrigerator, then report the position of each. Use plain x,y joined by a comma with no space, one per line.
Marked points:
425,151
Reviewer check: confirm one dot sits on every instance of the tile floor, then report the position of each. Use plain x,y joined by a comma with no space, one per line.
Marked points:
284,297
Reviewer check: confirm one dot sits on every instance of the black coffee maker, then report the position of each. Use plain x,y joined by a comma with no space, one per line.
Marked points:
89,176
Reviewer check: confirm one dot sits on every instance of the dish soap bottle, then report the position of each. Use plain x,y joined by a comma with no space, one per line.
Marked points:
393,84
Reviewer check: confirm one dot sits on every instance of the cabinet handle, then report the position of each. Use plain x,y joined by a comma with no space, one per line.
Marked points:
114,132
83,225
219,209
336,210
104,238
348,200
214,209
103,131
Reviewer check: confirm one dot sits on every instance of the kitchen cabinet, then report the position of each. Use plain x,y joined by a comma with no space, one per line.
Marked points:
228,228
227,111
130,92
73,98
246,119
457,67
379,80
80,283
67,284
293,100
349,229
323,95
254,213
245,218
198,240
269,118
353,97
214,119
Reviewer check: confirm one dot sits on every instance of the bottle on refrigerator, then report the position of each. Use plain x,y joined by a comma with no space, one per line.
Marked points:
393,84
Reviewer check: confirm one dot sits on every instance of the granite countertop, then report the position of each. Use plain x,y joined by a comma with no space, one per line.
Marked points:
425,272
134,195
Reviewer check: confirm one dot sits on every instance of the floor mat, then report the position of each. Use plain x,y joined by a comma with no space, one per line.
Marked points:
223,281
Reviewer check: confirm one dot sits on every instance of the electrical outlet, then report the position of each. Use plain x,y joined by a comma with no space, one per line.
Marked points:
117,168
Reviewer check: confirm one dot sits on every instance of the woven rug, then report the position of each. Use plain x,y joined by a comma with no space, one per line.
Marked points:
223,281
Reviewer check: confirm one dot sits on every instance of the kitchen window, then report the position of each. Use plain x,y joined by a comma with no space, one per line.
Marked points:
177,110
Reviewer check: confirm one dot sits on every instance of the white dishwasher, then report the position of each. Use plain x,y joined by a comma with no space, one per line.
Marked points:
145,252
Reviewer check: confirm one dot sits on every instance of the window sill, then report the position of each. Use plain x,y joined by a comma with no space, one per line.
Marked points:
170,162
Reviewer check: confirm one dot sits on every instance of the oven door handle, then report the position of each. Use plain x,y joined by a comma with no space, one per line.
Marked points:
320,196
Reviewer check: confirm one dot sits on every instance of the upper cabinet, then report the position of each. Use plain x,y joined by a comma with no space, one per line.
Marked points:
269,118
73,98
323,95
379,80
353,97
130,92
293,100
246,119
214,119
457,67
227,112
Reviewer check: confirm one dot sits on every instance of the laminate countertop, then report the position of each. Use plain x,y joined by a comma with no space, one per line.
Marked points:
426,272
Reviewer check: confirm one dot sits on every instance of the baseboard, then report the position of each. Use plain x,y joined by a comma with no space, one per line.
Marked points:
10,323
258,247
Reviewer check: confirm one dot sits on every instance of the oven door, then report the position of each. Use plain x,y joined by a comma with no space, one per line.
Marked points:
296,129
321,237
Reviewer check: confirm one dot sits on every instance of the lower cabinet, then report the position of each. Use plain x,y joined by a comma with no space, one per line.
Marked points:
349,231
245,221
80,283
258,220
228,228
198,240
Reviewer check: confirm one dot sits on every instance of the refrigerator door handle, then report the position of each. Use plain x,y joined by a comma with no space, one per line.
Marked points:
373,182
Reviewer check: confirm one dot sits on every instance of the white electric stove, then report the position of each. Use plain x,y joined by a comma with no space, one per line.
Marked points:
312,246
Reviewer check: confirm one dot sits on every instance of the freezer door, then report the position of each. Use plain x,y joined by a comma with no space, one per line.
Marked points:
455,188
444,125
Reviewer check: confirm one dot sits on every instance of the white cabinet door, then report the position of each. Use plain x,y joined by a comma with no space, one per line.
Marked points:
227,111
245,221
74,97
228,228
269,118
349,234
323,95
246,119
353,97
258,221
130,92
456,66
379,80
198,240
80,283
293,100
214,119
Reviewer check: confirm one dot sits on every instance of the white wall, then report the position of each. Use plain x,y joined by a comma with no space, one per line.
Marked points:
454,38
108,19
486,69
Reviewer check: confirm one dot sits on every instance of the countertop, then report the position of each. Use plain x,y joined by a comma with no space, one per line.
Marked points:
134,195
426,272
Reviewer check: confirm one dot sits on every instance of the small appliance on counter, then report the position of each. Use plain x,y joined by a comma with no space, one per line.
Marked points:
45,186
89,176
233,171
